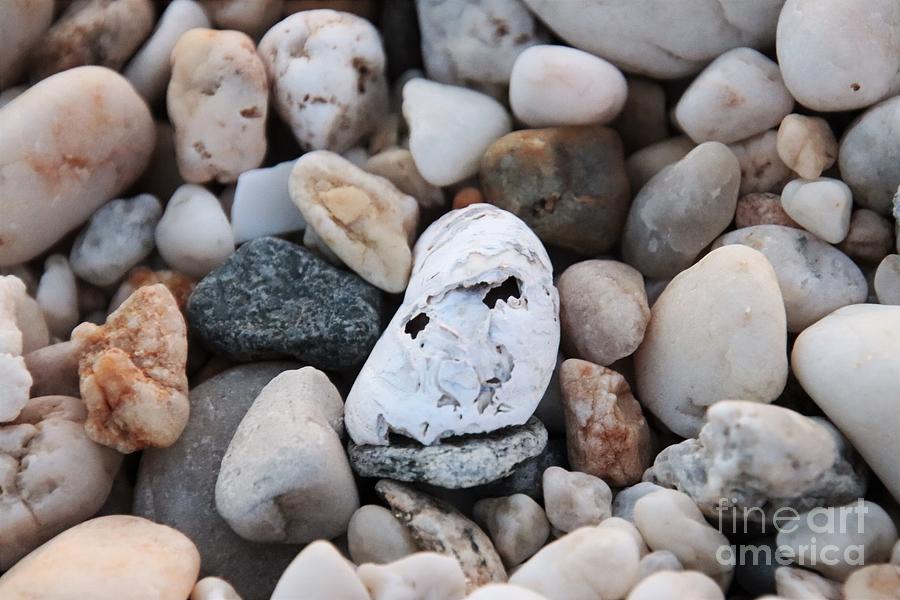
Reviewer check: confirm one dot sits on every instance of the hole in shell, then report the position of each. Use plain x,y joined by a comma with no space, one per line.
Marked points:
415,325
506,290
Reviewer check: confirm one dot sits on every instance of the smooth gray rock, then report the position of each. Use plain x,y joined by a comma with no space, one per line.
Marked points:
868,155
528,477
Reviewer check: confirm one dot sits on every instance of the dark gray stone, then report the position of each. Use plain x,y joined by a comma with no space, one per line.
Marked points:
176,485
274,299
458,462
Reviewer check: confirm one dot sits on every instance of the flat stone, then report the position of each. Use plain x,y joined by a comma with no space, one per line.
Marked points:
867,154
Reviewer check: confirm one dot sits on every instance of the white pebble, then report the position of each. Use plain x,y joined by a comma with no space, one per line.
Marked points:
659,560
669,585
375,535
57,295
573,499
822,206
262,204
425,575
799,584
320,572
516,524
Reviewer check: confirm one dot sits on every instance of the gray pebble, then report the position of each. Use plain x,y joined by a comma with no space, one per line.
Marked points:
868,156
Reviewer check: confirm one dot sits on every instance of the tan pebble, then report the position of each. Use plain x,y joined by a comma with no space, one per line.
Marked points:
397,166
874,582
213,588
467,196
179,284
374,535
806,145
870,237
420,575
55,369
22,25
319,571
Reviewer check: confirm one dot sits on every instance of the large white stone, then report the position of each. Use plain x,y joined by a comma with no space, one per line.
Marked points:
262,204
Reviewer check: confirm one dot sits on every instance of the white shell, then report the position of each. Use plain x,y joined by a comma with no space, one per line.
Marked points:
464,367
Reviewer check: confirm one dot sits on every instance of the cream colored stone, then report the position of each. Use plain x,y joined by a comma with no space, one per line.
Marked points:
57,295
22,24
807,145
319,571
800,584
397,166
668,585
762,170
573,499
517,525
252,17
54,369
875,582
821,206
647,162
887,280
213,588
504,591
375,535
15,379
424,575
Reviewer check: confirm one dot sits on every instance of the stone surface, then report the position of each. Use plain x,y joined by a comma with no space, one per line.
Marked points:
567,183
717,331
762,170
319,571
366,221
738,95
681,210
213,588
397,166
657,561
217,99
875,582
606,433
450,128
326,69
22,326
799,584
55,370
262,204
374,535
132,372
119,236
573,499
458,462
847,364
70,143
252,17
644,119
57,296
527,477
179,284
821,206
626,498
887,280
503,591
284,301
815,278
438,527
482,274
108,558
517,525
22,24
806,145
647,162
870,237
558,85
761,208
421,575
867,155
689,585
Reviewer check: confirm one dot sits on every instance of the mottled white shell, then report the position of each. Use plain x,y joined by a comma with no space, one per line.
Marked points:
449,363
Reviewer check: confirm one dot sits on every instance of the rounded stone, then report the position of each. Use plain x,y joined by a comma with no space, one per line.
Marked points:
821,206
647,162
374,535
319,571
762,170
761,208
874,582
420,575
22,23
688,585
517,525
806,145
868,155
870,237
887,280
573,499
252,17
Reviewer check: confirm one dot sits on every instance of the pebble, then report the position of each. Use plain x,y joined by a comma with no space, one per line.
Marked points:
643,120
176,485
161,177
53,476
655,562
319,571
475,43
150,69
567,183
285,302
252,17
738,95
870,237
664,233
503,591
589,563
626,498
194,235
663,42
54,369
799,584
79,138
178,284
455,463
108,558
527,477
887,280
717,331
874,582
366,221
867,155
374,535
647,162
217,99
831,67
761,208
326,69
213,588
397,166
822,206
557,85
603,310
762,170
466,197
849,355
481,273
815,278
517,525
667,585
132,373
22,326
806,145
262,204
573,499
94,32
760,458
285,477
22,24
438,527
606,433
57,295
421,575
119,235
669,520
450,128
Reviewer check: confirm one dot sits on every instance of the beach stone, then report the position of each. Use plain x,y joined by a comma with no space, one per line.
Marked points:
845,363
262,204
119,235
573,499
681,210
213,588
867,155
150,69
606,433
217,99
626,498
668,585
647,162
374,535
108,558
421,575
657,561
326,69
57,295
762,170
93,32
644,120
799,584
887,280
284,301
454,463
284,477
450,128
663,42
815,278
738,95
527,477
567,183
438,527
54,369
828,66
366,221
22,326
821,206
474,43
874,582
53,476
176,486
760,458
761,208
870,237
806,145
22,24
78,139
603,310
178,284
397,166
503,591
557,85
252,17
517,525
319,571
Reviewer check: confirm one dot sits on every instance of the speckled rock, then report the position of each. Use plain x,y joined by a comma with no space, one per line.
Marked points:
517,525
374,535
568,184
761,208
868,153
22,23
573,499
870,237
806,145
281,300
